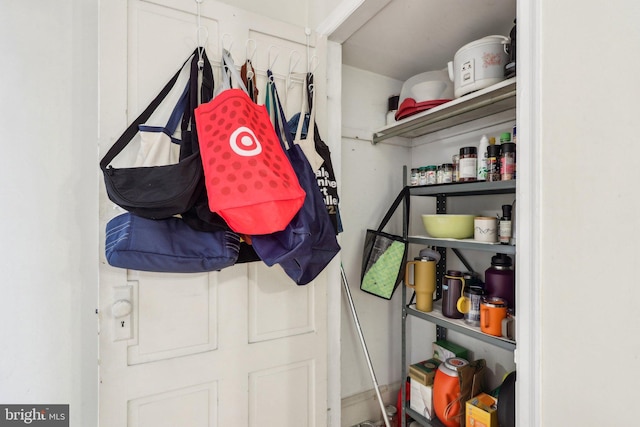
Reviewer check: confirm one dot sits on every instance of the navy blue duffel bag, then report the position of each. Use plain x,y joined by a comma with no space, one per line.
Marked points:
167,245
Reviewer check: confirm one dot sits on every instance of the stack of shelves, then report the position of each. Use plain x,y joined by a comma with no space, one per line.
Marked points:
484,103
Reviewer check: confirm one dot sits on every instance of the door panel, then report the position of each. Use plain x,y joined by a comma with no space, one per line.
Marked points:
192,406
176,316
244,346
291,387
277,309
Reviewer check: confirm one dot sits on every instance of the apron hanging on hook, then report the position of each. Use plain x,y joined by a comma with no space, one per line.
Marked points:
248,73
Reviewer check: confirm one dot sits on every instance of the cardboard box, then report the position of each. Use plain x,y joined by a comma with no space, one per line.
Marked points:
421,399
443,350
482,411
424,372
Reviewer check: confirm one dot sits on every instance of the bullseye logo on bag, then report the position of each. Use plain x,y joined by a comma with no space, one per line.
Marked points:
244,142
249,179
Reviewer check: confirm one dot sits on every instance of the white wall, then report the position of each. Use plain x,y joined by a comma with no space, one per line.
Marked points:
49,175
307,13
371,178
589,212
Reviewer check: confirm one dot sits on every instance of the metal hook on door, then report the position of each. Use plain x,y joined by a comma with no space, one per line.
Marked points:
292,55
224,37
249,58
313,64
270,62
246,49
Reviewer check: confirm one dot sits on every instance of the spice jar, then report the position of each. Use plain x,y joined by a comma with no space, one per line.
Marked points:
468,164
456,167
414,177
439,175
508,161
447,173
431,174
422,175
493,163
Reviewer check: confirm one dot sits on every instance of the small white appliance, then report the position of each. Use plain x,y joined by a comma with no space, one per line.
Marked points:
479,64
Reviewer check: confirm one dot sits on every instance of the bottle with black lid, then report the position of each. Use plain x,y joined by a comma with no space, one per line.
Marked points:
504,225
499,279
493,163
508,161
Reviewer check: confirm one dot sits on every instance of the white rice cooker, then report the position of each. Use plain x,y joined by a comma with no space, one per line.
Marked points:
479,64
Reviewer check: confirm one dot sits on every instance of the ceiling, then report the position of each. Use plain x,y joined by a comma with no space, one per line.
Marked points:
402,38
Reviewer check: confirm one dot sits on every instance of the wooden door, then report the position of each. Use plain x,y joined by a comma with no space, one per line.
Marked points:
241,347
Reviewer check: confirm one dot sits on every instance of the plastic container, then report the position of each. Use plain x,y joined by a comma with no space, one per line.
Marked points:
446,391
481,170
474,294
499,280
508,161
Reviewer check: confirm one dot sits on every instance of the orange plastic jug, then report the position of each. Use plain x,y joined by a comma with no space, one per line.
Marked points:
446,392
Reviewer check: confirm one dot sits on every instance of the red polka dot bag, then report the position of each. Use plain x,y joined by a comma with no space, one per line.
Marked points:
250,181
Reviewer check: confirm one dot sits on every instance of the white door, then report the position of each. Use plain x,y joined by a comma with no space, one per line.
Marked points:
241,347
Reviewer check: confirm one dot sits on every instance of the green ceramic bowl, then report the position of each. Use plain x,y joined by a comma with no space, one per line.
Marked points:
449,225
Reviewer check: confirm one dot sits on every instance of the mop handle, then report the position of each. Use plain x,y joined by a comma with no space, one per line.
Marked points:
364,345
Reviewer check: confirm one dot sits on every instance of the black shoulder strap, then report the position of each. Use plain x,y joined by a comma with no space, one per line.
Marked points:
403,195
131,131
206,87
